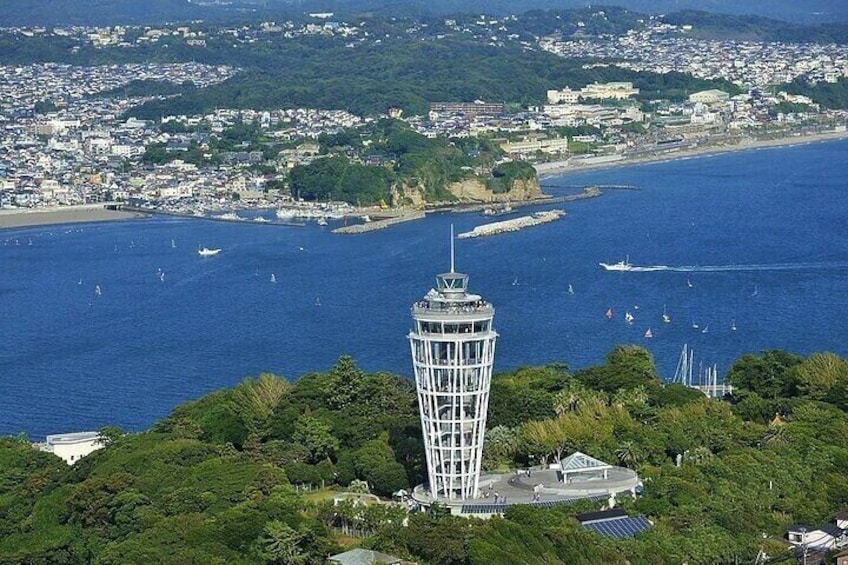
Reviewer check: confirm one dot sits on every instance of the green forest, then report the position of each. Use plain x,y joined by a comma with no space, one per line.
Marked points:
224,479
406,160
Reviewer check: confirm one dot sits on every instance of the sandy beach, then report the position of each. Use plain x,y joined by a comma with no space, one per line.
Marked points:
575,165
62,215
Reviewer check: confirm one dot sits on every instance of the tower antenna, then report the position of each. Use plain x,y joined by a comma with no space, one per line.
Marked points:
452,252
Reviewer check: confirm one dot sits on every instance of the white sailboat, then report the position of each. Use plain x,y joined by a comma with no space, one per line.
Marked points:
733,325
665,317
649,334
273,278
689,283
97,290
706,329
173,244
628,317
570,289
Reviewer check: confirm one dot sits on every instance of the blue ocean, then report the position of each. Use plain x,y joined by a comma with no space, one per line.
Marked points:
117,323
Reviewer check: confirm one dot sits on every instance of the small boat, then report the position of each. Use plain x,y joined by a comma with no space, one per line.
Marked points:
608,314
665,317
162,276
97,290
261,220
733,325
620,266
515,282
173,244
689,283
317,302
570,289
756,291
706,329
273,278
695,325
322,221
628,317
649,334
206,252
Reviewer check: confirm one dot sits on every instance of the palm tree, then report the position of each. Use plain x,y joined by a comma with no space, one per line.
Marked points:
628,454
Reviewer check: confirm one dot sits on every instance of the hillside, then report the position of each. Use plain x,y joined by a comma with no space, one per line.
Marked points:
220,480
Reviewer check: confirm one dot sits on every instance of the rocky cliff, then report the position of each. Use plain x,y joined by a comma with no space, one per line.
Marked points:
474,190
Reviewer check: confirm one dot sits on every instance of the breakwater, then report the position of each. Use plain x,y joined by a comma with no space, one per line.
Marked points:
514,224
379,224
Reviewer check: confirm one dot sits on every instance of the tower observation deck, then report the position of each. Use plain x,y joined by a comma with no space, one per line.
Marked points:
453,348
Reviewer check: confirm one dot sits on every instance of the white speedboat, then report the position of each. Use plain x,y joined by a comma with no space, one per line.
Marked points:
206,252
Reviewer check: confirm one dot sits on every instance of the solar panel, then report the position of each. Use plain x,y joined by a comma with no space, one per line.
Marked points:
620,527
483,508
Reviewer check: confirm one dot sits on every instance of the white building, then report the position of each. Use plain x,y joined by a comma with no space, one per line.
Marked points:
609,90
72,447
711,96
564,96
531,146
453,348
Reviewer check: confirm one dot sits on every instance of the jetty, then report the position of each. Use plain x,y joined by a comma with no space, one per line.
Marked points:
514,224
380,224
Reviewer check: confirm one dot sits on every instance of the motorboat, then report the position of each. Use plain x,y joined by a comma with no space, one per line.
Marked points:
206,252
620,266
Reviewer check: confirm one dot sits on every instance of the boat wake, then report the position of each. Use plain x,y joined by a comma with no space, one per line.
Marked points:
729,268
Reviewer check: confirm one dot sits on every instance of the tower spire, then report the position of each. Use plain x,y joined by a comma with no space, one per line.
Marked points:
452,252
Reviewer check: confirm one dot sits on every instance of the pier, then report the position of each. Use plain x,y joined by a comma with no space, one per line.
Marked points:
514,224
379,224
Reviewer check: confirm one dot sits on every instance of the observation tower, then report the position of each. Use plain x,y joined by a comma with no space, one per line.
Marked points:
453,348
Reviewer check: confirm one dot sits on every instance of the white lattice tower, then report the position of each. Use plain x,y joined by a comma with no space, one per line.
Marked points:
453,348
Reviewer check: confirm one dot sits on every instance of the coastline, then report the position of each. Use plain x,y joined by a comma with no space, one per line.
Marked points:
88,213
561,168
85,213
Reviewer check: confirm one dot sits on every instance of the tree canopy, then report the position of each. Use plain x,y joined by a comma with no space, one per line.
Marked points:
219,480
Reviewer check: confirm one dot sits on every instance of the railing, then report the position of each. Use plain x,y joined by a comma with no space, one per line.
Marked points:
427,307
